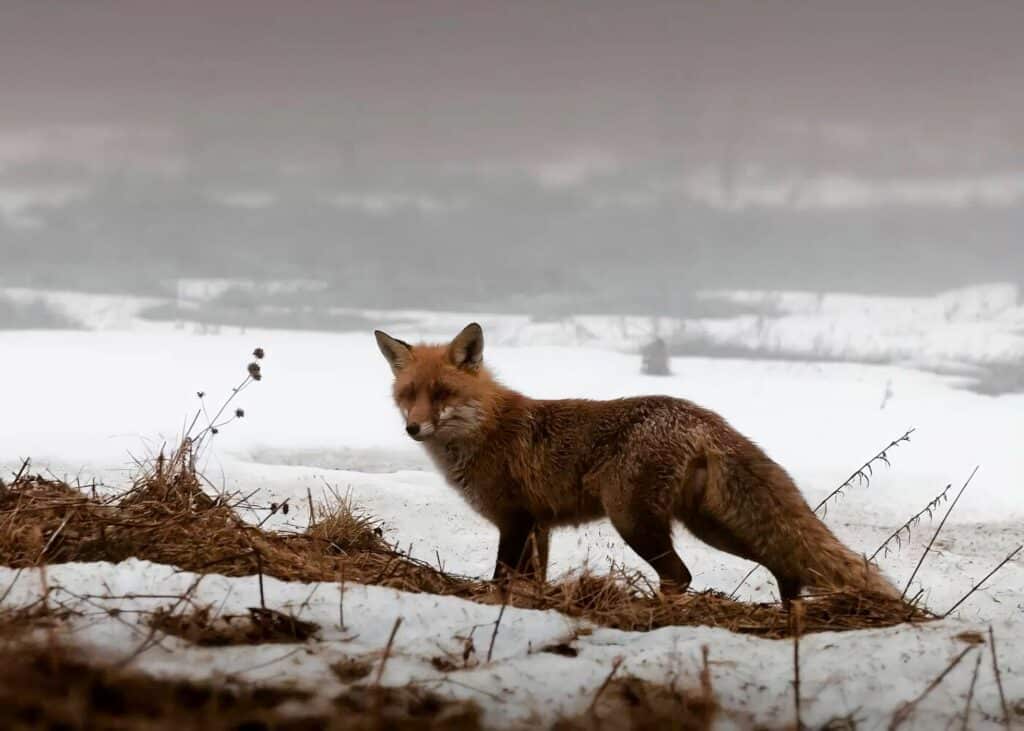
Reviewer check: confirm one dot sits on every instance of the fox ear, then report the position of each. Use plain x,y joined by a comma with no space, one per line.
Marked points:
397,352
467,349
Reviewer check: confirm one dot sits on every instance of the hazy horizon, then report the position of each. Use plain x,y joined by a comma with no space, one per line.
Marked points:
525,148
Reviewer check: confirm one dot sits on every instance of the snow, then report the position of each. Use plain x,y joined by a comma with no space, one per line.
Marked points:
868,673
79,403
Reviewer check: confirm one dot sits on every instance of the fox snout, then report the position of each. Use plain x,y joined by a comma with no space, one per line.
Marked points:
419,430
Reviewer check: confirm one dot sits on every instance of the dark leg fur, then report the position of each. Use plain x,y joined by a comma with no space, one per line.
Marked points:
789,589
651,538
522,549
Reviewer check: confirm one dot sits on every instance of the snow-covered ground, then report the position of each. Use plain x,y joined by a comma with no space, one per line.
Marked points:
79,403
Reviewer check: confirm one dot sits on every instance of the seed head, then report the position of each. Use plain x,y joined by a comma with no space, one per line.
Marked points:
254,371
239,413
258,354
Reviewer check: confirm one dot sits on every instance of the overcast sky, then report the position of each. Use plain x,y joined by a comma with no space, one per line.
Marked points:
348,129
471,81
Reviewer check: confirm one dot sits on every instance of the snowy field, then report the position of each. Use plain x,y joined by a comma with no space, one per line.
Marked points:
81,404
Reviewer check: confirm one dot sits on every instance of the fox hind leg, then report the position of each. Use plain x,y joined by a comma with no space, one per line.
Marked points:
650,535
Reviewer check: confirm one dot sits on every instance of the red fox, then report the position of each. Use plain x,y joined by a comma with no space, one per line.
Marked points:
530,465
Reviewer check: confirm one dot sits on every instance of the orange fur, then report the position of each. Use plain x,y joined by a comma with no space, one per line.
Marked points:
530,465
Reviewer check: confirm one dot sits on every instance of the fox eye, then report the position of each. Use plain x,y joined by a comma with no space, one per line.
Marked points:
407,393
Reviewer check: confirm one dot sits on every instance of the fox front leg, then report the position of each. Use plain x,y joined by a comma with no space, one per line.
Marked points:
522,548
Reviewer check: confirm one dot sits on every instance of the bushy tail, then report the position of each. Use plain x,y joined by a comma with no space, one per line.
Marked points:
762,506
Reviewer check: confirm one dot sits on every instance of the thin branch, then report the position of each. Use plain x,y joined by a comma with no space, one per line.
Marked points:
259,571
24,466
904,711
970,693
936,534
341,599
506,592
865,472
387,651
607,681
54,535
999,678
988,576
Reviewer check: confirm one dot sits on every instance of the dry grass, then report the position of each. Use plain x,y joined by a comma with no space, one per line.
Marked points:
344,528
259,626
632,704
16,623
166,517
54,689
351,669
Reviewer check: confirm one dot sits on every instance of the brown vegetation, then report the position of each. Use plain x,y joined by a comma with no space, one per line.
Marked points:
52,688
259,626
167,517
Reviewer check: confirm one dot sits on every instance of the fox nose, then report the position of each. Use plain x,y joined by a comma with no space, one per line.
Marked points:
412,429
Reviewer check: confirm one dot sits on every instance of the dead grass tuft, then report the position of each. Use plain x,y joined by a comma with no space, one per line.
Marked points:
351,669
259,626
632,704
344,528
167,517
16,623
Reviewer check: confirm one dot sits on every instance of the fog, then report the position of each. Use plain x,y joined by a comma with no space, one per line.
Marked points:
521,157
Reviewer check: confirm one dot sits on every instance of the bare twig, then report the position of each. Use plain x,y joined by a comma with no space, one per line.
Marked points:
864,473
988,576
259,573
936,534
54,535
904,711
341,599
913,521
387,651
607,681
970,692
151,638
999,678
10,587
21,472
506,592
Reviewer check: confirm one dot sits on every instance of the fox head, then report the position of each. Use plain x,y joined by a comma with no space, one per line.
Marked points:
440,389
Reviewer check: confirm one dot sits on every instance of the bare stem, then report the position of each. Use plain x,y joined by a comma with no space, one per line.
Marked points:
914,520
936,534
988,576
903,713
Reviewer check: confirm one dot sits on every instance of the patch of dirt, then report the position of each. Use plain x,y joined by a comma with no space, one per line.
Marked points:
54,689
351,669
259,626
632,704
